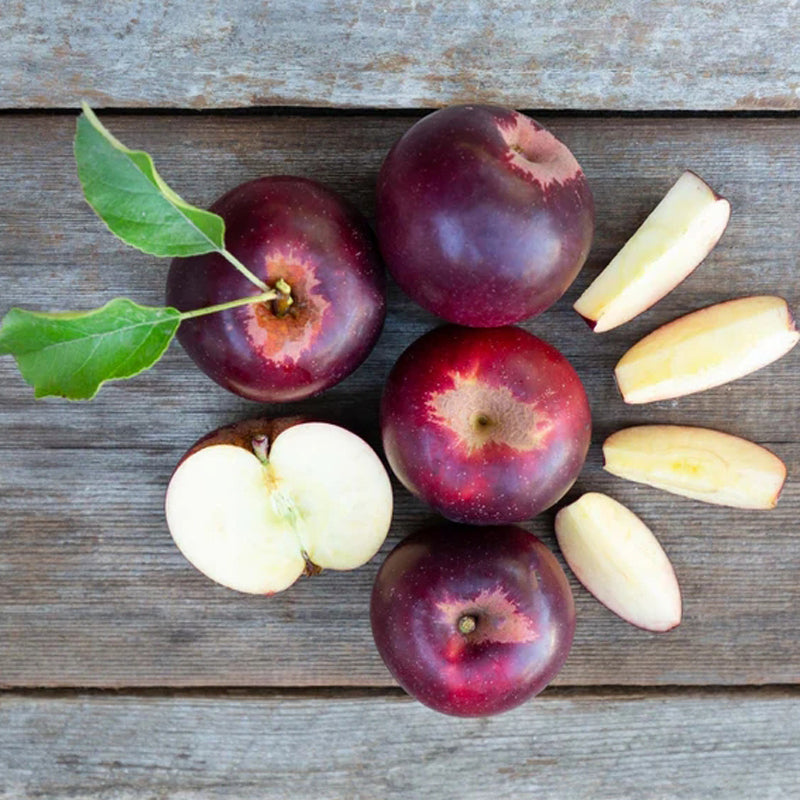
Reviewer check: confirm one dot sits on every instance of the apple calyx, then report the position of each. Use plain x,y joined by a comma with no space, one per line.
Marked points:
467,624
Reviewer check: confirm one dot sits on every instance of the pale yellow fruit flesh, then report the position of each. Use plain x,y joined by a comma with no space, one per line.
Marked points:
341,492
323,498
222,514
707,348
699,463
618,559
676,237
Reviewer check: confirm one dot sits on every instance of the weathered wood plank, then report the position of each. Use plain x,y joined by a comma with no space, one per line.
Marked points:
93,591
561,745
394,54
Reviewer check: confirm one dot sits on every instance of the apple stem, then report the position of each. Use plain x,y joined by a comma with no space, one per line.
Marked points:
467,623
260,446
282,291
243,269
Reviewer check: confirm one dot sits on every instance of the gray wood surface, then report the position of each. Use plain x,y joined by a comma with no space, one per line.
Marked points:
93,593
604,745
657,54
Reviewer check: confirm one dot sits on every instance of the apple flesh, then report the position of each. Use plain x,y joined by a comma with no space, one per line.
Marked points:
300,232
472,622
483,216
619,560
256,505
487,425
707,348
676,237
699,463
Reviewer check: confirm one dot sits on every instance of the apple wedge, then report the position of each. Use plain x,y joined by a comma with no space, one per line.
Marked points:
617,558
703,464
679,233
255,505
707,348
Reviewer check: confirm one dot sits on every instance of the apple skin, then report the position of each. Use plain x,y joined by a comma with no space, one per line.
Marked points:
241,434
487,426
508,582
301,231
483,216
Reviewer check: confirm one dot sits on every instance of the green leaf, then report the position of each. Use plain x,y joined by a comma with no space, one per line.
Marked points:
129,195
71,354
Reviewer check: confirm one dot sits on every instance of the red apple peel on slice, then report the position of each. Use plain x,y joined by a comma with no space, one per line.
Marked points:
256,505
669,245
619,560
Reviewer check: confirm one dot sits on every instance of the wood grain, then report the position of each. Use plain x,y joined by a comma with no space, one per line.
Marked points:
608,746
93,593
658,54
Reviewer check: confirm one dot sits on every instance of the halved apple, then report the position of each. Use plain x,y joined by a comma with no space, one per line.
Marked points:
707,348
703,464
679,233
619,560
255,505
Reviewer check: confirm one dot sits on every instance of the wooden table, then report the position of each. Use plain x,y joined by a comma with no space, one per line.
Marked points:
126,674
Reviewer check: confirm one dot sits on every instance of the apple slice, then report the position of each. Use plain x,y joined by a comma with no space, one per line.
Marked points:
707,348
617,558
679,233
699,463
255,505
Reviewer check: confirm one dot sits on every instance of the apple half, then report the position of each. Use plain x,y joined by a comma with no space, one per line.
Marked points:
679,233
619,560
699,463
257,504
707,348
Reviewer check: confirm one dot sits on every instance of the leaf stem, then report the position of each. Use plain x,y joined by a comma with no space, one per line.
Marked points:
270,294
256,281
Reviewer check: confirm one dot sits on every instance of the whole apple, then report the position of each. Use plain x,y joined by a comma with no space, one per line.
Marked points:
483,216
486,425
303,233
472,621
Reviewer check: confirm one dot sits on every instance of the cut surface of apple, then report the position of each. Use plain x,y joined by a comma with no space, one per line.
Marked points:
254,518
699,463
679,233
619,560
707,348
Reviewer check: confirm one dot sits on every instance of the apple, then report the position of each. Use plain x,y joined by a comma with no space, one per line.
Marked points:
257,504
300,232
487,426
471,621
679,233
619,560
483,216
699,463
706,348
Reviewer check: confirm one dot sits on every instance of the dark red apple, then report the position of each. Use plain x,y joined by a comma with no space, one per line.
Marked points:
483,216
472,621
486,425
304,233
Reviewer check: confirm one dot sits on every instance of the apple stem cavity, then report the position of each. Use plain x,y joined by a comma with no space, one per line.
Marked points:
260,446
282,304
280,295
467,624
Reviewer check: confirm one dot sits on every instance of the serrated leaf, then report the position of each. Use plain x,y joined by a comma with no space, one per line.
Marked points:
71,354
129,195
